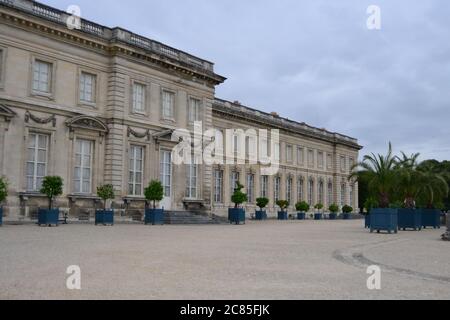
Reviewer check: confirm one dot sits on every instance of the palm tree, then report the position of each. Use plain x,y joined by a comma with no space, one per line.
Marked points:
434,186
380,173
409,179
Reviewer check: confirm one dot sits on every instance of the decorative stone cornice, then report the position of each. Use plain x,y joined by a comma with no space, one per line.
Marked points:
110,41
29,116
233,111
6,113
88,123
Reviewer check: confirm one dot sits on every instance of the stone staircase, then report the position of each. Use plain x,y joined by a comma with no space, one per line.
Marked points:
190,218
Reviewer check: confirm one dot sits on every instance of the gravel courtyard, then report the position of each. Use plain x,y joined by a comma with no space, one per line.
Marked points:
267,260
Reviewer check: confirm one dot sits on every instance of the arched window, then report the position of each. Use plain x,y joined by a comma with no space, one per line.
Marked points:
321,193
300,189
343,194
311,192
352,199
330,193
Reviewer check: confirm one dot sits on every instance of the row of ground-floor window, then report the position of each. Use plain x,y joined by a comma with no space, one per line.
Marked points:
281,187
285,186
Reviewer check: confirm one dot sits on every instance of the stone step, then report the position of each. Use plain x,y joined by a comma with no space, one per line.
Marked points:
188,217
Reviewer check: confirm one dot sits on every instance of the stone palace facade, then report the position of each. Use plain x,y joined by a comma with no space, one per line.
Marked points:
98,105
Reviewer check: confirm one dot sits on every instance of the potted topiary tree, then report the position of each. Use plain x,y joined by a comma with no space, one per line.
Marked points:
104,216
237,214
379,173
302,208
261,203
3,195
347,210
369,205
283,204
318,215
334,209
52,186
154,193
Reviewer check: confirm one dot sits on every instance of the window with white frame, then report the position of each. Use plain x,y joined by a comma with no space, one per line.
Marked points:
139,98
300,189
351,194
351,163
194,113
264,149
136,170
38,145
343,164
42,76
276,188
87,87
250,187
234,179
311,158
83,166
330,193
264,186
289,190
320,159
168,104
218,186
300,156
311,192
191,179
289,153
329,161
343,194
166,172
277,149
321,193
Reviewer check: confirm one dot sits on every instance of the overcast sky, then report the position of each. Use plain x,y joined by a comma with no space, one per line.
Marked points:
315,61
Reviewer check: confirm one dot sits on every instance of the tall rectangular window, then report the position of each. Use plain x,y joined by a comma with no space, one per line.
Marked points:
289,190
329,161
343,164
166,172
277,185
311,158
1,65
264,186
234,179
83,166
300,156
330,193
191,179
168,105
300,190
311,192
250,188
138,98
343,194
136,170
320,159
218,186
42,76
351,163
37,160
194,113
289,153
87,87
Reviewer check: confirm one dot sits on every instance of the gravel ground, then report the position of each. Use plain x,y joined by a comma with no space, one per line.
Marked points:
268,260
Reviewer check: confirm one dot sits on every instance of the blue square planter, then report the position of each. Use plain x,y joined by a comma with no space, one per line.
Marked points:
261,215
1,216
318,216
367,221
282,215
333,216
104,217
384,220
154,216
236,215
301,215
48,217
431,218
409,219
346,216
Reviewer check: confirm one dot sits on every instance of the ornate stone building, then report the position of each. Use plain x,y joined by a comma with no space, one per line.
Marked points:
98,105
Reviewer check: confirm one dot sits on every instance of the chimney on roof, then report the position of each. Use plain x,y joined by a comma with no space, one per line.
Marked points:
275,114
237,102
